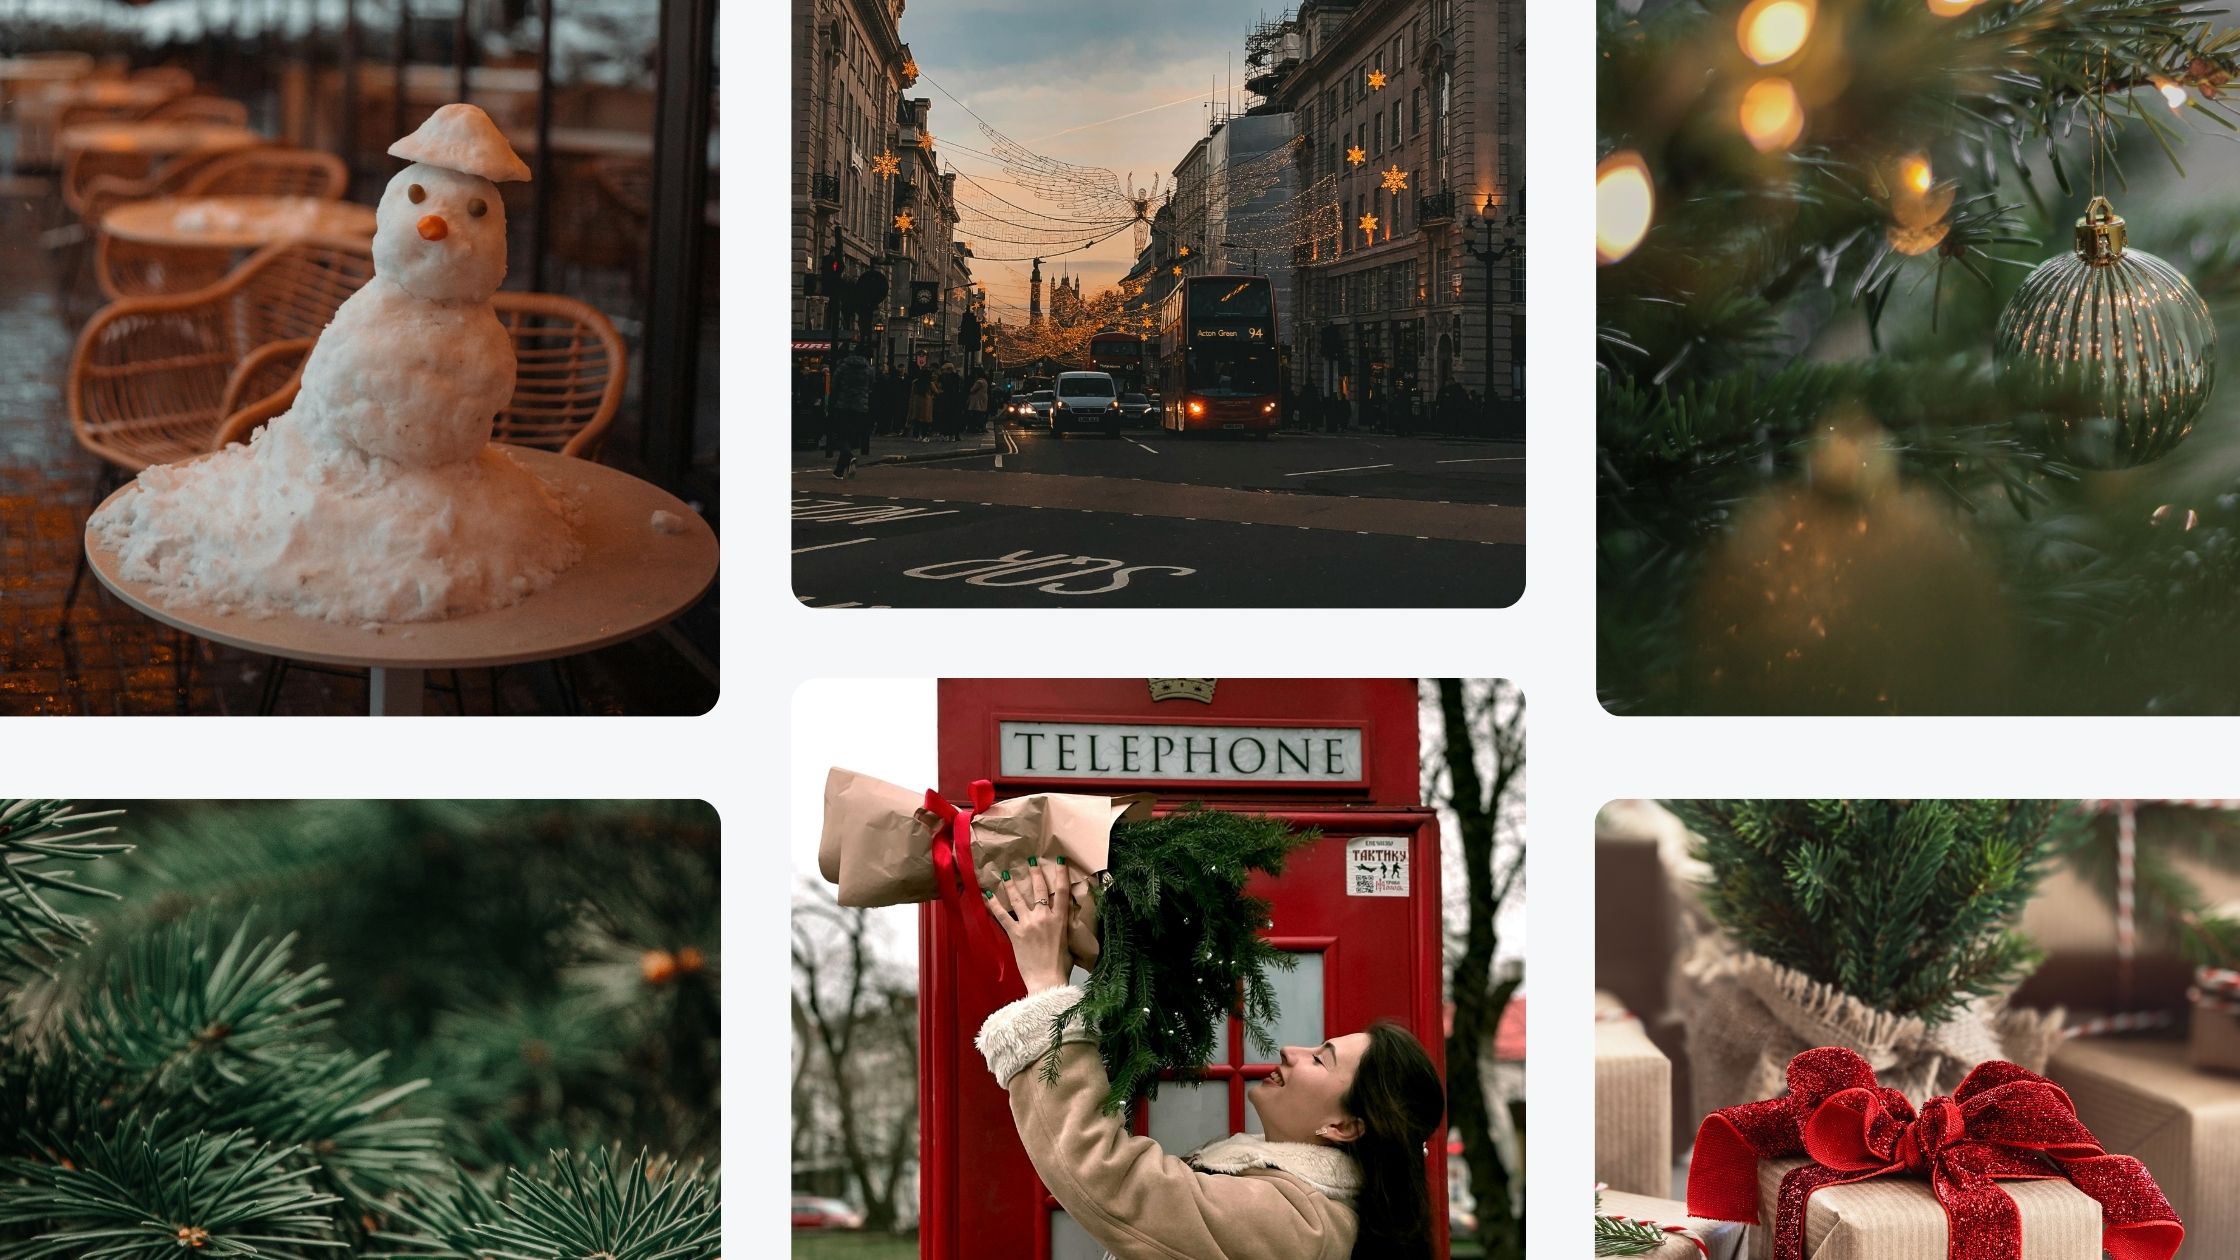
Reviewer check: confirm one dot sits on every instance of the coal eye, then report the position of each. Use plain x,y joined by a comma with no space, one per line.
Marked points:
477,208
417,193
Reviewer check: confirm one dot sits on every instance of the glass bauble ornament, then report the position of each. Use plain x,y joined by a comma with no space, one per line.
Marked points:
2110,347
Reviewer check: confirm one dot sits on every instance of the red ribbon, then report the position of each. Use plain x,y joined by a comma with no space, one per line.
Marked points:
2004,1123
954,877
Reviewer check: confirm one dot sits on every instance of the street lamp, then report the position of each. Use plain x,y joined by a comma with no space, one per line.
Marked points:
1499,239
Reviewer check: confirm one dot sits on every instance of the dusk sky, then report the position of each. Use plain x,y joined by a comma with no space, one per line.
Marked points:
1058,76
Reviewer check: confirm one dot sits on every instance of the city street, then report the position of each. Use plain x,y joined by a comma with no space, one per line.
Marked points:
1153,520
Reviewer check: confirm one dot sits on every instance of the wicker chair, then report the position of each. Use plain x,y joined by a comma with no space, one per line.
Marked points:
127,269
154,378
216,111
178,80
569,370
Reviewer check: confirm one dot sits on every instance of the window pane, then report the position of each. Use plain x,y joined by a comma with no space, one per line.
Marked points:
1068,1241
1299,995
1185,1117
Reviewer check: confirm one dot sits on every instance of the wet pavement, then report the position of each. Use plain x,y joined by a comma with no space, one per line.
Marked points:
104,658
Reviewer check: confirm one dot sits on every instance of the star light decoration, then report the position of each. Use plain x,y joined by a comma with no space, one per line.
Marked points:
1395,180
903,222
1376,80
925,139
1356,156
886,165
909,68
1369,226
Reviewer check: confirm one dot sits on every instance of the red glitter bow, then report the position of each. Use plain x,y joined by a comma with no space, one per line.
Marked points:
2004,1123
953,875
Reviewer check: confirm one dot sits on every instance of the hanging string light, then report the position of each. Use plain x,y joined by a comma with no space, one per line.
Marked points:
1624,203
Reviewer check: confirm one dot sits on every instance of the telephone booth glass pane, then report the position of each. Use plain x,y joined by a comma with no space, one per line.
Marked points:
1185,1117
1299,999
1068,1241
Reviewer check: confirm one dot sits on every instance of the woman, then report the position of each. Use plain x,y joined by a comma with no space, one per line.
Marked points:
1339,1175
921,406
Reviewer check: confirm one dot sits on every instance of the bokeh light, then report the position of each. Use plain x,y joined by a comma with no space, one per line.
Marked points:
1624,202
1772,117
1772,31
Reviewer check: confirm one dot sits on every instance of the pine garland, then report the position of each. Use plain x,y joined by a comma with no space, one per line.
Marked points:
1180,947
1617,1236
1908,906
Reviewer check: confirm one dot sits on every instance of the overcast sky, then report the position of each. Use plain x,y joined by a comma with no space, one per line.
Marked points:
1058,76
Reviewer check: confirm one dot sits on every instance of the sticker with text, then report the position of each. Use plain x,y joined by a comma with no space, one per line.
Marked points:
1377,866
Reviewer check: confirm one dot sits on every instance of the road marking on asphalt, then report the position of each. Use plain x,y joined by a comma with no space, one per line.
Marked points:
853,512
1490,459
821,546
1048,574
1316,472
1133,442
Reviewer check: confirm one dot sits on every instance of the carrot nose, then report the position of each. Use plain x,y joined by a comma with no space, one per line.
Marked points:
433,228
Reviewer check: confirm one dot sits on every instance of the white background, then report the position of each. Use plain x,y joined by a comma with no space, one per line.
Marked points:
738,758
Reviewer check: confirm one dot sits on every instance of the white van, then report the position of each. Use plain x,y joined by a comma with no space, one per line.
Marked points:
1085,400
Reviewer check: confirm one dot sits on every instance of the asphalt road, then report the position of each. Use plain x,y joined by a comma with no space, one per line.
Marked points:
860,551
1427,469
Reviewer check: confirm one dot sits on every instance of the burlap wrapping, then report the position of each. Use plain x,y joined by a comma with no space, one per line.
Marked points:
877,844
1899,1218
1747,1016
2140,1099
1632,1105
1722,1240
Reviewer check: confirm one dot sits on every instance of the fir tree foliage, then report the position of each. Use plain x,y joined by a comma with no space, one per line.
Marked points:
1772,296
1180,947
1907,906
186,1082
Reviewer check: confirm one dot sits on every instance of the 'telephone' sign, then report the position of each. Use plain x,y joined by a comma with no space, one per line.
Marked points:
1258,754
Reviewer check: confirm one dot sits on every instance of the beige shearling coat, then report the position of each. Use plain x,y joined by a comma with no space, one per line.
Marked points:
1241,1198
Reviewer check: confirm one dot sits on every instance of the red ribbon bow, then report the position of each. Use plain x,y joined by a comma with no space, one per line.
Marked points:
953,873
2004,1123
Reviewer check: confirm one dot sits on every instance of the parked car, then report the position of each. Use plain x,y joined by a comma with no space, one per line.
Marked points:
1086,400
1138,409
812,1211
1035,407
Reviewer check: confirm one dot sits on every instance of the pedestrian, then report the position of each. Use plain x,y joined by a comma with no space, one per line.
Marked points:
850,424
1310,409
921,406
948,403
1339,1174
976,402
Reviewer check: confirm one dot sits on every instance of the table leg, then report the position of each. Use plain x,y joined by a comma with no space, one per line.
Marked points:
396,692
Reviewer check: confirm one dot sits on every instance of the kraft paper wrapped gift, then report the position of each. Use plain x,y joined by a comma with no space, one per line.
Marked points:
1899,1218
1722,1240
1632,1104
2214,1045
877,844
2140,1098
1640,851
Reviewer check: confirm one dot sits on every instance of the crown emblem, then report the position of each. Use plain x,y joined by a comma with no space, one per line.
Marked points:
1198,689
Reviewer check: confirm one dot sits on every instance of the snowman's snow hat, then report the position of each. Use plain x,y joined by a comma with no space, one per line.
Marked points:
462,138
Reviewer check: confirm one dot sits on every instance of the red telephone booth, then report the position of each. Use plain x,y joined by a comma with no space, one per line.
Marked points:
1360,907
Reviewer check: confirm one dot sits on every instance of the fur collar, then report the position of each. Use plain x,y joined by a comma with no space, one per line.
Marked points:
1328,1169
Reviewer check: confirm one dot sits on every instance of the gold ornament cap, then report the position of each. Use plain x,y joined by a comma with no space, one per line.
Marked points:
2100,233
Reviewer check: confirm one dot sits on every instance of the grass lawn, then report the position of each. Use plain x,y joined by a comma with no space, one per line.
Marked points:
816,1246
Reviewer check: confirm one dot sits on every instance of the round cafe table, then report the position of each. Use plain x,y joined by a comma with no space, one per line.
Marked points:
631,580
155,139
238,222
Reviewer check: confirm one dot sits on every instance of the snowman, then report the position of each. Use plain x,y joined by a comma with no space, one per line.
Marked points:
416,365
378,497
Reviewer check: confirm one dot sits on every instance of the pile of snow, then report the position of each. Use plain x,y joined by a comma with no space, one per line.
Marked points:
281,525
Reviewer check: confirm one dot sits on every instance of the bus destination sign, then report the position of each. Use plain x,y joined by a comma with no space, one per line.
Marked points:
1233,754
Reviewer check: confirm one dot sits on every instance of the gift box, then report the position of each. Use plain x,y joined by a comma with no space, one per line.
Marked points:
883,844
2214,1044
1632,1104
2141,1098
1898,1218
1638,849
1697,1239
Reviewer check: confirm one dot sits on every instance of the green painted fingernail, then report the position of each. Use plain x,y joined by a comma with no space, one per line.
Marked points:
1007,874
987,894
1061,859
1033,862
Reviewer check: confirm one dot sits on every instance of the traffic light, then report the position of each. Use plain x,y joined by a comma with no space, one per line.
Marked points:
925,297
834,263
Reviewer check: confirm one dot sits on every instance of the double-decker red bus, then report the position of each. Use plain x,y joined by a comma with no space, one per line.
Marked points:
1121,355
1217,357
